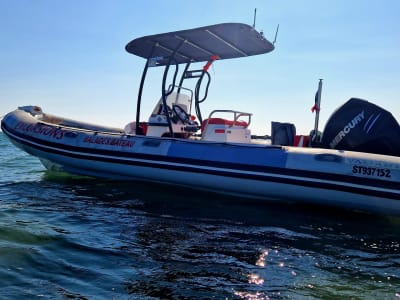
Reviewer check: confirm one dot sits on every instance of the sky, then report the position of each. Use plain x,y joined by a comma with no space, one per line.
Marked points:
69,57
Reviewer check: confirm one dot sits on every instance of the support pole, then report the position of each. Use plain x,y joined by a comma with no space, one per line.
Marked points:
317,107
139,101
163,90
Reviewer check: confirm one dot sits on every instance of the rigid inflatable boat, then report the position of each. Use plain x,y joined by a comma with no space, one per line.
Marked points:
353,163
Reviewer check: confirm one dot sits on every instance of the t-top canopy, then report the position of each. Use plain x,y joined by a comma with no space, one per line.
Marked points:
228,40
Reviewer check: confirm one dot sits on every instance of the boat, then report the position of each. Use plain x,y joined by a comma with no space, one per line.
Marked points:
353,163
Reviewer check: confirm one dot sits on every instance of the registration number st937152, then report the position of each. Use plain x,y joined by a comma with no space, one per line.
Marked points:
371,171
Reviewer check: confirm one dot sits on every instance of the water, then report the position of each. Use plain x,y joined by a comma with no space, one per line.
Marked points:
68,237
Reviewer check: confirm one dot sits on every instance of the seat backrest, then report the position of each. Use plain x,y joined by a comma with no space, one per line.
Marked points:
282,133
224,122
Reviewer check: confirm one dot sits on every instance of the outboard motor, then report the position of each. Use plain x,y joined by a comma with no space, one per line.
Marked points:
361,126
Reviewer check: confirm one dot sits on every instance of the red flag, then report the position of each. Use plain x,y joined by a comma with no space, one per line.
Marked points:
315,107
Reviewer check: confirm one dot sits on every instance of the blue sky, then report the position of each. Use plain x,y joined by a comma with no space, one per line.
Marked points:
68,57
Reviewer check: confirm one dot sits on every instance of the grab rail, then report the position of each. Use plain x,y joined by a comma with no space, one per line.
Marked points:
236,115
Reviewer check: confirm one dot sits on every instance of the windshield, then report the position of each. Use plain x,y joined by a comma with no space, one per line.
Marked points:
183,100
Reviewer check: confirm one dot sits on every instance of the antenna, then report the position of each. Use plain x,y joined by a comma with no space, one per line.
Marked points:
276,35
254,19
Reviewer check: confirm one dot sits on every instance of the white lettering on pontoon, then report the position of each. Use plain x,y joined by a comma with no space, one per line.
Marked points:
353,123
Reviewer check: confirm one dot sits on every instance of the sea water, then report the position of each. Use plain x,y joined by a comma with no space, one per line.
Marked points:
69,237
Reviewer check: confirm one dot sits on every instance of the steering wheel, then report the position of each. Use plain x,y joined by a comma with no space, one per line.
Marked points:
172,115
181,114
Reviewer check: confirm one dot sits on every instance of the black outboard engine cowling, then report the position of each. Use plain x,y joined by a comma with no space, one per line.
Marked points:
359,125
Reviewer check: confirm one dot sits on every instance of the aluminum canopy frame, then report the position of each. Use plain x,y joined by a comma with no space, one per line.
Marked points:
203,44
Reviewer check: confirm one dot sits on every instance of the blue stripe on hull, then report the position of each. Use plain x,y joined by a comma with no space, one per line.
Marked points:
224,153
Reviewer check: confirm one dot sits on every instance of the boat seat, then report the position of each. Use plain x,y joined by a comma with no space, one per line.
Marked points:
220,121
282,134
222,130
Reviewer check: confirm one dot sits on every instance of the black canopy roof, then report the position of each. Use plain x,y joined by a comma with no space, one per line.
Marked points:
227,40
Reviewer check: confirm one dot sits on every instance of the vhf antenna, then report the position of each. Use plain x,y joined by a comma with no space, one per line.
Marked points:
254,26
276,35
